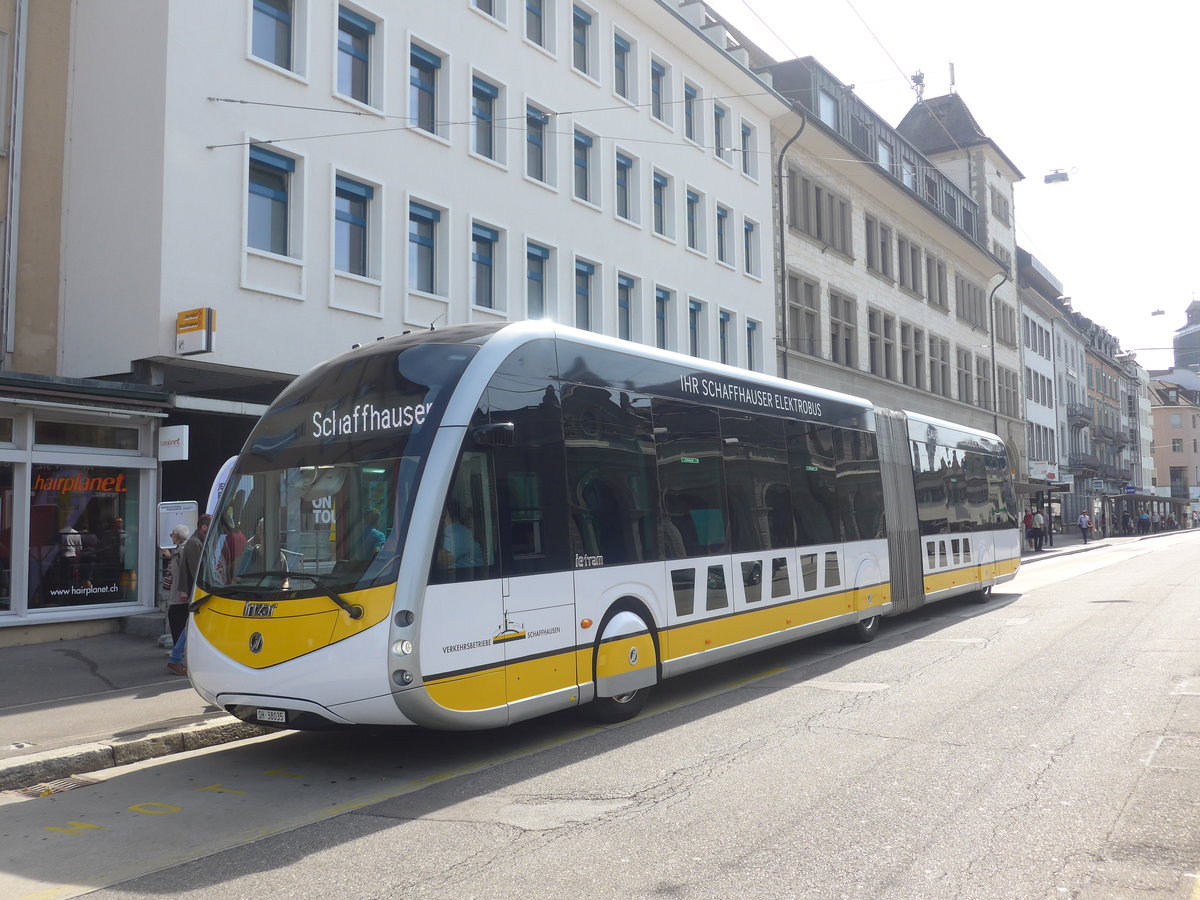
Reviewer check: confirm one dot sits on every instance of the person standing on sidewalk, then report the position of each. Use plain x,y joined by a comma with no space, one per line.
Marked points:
1039,530
176,608
189,566
1085,525
1027,521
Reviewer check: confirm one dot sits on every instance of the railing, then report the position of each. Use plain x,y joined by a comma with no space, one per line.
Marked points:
1082,461
865,131
1078,414
1103,433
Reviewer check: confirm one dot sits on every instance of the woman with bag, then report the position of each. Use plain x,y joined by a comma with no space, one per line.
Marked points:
1085,525
176,608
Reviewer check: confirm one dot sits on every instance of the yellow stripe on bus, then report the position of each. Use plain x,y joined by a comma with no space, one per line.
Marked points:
293,628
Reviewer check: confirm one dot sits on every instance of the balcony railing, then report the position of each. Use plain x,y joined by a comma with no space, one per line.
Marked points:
1079,415
1104,433
1083,461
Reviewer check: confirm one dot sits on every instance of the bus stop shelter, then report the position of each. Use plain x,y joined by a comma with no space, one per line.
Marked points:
1117,505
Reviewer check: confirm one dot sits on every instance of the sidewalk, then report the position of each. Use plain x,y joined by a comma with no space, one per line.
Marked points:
72,707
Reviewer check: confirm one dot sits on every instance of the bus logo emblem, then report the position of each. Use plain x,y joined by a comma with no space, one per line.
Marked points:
256,642
259,610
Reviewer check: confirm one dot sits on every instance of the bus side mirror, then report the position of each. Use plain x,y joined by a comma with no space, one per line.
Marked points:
498,434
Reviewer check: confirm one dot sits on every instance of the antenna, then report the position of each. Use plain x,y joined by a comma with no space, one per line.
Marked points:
918,82
952,78
435,321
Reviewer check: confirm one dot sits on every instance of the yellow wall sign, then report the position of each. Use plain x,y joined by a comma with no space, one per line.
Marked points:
195,330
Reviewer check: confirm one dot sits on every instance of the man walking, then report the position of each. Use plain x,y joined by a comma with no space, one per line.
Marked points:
1085,525
189,566
1039,530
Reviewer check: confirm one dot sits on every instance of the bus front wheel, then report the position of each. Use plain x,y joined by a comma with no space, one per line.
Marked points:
621,708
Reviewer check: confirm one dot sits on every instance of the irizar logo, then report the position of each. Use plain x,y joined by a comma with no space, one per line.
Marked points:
259,610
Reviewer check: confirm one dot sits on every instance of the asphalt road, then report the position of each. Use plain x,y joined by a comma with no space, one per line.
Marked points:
1045,744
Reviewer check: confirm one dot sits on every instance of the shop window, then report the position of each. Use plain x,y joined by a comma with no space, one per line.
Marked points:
81,434
83,535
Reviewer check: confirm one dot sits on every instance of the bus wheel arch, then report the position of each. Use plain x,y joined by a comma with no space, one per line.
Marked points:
622,675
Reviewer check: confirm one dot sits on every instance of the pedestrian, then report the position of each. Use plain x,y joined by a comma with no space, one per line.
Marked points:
1027,521
1039,531
1143,522
176,606
1126,523
1154,521
189,566
1085,525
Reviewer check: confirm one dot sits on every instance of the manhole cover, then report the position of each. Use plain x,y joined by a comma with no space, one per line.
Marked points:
56,787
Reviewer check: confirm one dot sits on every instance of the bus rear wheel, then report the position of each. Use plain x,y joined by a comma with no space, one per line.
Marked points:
864,630
620,708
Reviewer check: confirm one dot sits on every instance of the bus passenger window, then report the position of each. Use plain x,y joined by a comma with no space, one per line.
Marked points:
691,476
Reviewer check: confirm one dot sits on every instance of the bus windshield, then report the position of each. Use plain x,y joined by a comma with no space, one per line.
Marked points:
320,498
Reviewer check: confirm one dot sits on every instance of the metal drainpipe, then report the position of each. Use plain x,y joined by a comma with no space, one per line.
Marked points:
995,385
13,190
782,228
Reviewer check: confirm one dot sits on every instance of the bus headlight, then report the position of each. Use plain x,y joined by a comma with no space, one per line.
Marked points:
402,648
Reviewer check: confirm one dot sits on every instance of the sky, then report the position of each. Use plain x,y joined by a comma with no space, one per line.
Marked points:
1106,93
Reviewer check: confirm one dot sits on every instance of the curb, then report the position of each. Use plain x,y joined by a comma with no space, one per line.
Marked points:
51,765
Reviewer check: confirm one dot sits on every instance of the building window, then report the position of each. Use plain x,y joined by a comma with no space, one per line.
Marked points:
971,303
939,366
486,6
752,346
662,205
691,104
1010,391
271,32
659,92
804,314
483,116
581,37
912,356
843,329
695,323
1000,205
936,291
724,250
352,211
422,96
662,311
827,109
750,247
819,212
536,157
983,383
625,289
879,247
724,323
624,185
695,224
881,344
354,55
622,52
535,21
965,380
908,258
267,216
537,262
583,166
584,272
749,151
721,132
423,222
483,265
1176,445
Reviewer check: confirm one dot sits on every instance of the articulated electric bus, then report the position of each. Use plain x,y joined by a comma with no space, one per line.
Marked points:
468,527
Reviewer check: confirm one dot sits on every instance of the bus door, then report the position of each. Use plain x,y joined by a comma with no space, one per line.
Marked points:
537,631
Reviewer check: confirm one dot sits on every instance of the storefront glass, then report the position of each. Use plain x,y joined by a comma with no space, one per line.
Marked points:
83,535
6,523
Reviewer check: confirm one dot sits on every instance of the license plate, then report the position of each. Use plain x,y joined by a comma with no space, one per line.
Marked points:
274,716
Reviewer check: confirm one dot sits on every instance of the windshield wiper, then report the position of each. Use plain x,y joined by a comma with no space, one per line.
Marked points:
198,602
354,612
